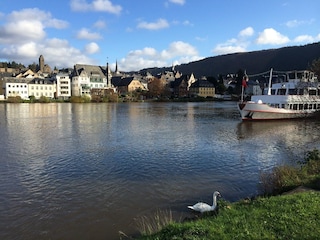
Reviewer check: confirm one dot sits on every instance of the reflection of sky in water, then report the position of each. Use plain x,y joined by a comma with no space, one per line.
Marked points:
75,157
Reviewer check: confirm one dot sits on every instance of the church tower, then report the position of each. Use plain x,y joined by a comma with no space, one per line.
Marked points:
108,75
41,63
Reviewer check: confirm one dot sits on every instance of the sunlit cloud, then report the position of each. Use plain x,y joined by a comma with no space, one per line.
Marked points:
86,34
177,52
296,23
96,6
271,36
234,45
159,24
180,2
100,24
247,32
304,39
92,48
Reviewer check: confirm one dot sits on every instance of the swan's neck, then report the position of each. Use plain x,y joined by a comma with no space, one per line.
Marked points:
214,204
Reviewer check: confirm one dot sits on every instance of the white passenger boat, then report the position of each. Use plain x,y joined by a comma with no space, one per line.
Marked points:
296,97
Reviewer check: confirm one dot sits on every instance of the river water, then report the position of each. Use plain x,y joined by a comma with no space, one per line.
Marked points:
88,171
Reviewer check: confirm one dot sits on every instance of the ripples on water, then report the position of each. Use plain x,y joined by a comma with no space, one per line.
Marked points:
86,171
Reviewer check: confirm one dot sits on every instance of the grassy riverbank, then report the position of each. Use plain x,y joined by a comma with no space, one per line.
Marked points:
295,216
276,215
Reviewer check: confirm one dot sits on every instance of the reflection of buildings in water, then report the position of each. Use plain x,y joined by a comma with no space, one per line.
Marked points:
29,125
85,119
294,137
190,123
26,110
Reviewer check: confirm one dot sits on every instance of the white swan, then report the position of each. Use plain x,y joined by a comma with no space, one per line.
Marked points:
204,207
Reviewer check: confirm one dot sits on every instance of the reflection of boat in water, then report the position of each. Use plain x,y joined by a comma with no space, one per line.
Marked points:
252,129
296,97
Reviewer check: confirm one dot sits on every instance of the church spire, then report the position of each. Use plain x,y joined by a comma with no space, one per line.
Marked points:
116,66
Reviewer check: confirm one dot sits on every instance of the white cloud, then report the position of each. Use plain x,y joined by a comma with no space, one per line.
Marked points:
221,49
96,5
235,44
180,2
28,25
100,24
23,39
271,36
21,31
201,39
247,32
179,48
159,24
85,34
303,39
147,51
296,23
178,52
53,49
92,48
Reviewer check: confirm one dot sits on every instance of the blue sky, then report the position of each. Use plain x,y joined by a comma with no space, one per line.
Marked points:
150,33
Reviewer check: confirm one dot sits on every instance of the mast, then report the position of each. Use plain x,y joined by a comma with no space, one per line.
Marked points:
244,84
269,86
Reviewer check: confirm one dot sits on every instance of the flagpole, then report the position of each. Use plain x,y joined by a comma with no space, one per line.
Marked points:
242,90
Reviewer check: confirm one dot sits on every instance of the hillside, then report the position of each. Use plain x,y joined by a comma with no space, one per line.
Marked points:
281,59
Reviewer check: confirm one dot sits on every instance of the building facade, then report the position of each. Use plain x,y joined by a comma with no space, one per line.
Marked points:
16,87
42,87
63,82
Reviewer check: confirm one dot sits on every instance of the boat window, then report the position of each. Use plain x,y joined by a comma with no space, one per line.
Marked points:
292,75
292,91
300,75
281,91
273,91
295,106
300,106
283,106
312,92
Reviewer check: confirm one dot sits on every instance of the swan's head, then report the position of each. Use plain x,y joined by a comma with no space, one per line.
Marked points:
217,194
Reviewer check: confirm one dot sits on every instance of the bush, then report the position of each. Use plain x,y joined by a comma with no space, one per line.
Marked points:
80,99
44,99
284,178
16,99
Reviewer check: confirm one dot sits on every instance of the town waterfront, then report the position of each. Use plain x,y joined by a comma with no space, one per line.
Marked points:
87,171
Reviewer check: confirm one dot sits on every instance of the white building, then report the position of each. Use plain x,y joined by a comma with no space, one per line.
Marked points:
63,82
16,87
42,87
80,84
87,77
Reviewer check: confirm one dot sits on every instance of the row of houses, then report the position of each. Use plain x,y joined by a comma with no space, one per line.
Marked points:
86,80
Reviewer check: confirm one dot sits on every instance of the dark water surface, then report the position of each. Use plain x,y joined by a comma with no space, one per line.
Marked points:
87,171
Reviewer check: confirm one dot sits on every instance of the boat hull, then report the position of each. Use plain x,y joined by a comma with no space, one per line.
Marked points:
258,111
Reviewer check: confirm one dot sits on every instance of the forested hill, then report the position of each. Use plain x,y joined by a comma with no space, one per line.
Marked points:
281,59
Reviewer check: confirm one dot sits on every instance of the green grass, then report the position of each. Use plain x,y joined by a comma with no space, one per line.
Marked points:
295,216
290,216
149,225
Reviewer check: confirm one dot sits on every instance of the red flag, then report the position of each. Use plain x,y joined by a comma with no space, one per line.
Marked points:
244,81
